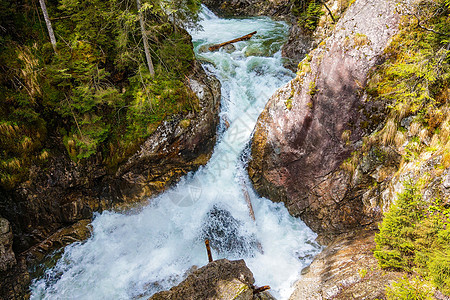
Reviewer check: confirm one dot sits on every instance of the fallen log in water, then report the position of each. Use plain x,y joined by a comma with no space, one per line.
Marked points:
242,38
258,290
251,212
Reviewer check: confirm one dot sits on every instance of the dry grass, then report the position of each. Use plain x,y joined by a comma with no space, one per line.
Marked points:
44,155
384,173
29,72
350,164
444,132
435,141
14,164
389,132
346,136
361,39
26,143
368,142
436,117
414,129
424,136
8,130
445,162
399,139
404,109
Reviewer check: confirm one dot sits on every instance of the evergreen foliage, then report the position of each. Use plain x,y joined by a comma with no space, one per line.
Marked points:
94,94
308,13
415,237
409,289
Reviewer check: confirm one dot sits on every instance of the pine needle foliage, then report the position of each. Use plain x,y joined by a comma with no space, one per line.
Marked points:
415,237
94,94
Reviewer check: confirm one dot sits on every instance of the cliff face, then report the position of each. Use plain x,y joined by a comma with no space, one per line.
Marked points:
312,125
62,192
273,8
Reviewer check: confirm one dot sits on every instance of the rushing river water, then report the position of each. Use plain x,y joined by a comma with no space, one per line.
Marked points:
134,255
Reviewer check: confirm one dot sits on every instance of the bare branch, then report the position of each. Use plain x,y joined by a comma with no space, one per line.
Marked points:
428,29
329,10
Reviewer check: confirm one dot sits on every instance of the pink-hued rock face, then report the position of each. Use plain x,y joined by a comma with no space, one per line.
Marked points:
310,126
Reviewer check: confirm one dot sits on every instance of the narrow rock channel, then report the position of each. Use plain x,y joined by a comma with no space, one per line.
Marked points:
134,255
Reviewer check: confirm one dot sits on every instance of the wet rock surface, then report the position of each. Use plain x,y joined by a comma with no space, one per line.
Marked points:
312,125
13,272
346,269
221,280
273,8
7,257
62,193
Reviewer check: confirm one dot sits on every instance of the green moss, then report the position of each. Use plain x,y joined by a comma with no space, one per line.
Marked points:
418,66
312,88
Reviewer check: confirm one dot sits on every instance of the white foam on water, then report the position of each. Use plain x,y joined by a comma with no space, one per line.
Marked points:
134,255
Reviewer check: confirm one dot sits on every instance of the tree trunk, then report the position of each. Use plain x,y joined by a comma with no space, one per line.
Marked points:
49,24
144,37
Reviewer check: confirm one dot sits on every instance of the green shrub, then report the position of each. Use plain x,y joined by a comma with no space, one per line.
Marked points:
395,242
415,237
308,13
409,289
439,269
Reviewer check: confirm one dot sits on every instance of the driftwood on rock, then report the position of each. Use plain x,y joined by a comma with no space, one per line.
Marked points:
242,38
208,250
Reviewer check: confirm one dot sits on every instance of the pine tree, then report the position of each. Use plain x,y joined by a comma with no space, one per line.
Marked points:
144,38
48,23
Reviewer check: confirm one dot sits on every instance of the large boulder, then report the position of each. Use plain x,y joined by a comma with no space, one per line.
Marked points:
13,272
311,126
220,280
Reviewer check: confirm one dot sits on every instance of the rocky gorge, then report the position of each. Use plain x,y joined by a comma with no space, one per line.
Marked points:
321,146
54,207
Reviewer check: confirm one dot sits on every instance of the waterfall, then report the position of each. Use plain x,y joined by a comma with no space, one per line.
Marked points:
134,255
